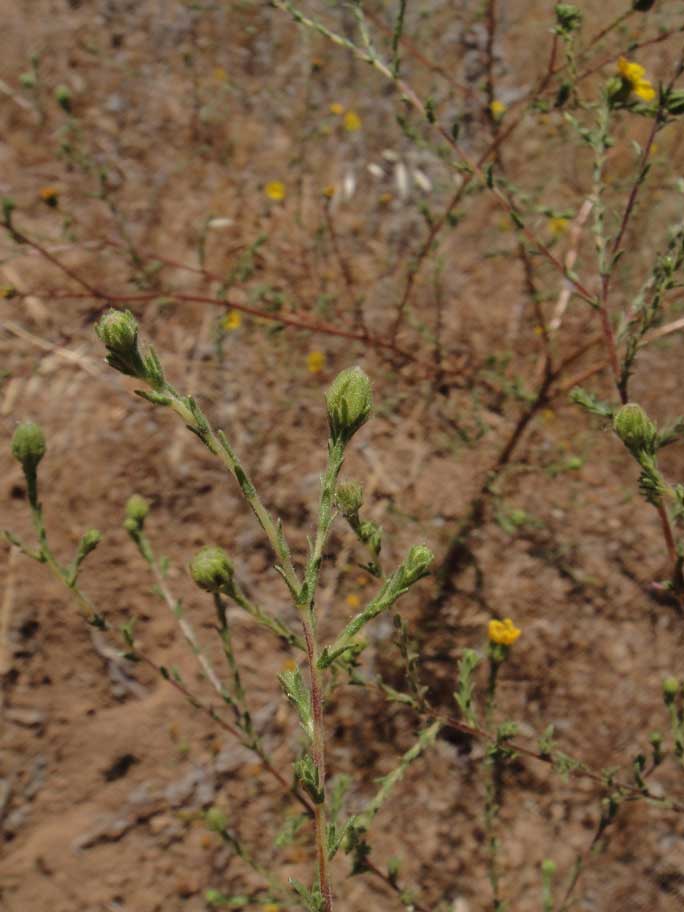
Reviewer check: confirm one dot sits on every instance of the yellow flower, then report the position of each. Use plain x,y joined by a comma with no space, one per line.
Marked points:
503,632
270,907
8,291
232,320
275,190
219,74
353,600
50,196
497,109
289,665
328,191
352,121
336,108
315,362
634,74
558,226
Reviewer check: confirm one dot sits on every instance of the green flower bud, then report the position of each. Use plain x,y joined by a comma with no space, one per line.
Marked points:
656,741
349,401
91,539
28,445
371,534
27,80
635,429
118,329
211,569
548,867
137,509
416,565
670,689
216,820
568,17
349,498
63,97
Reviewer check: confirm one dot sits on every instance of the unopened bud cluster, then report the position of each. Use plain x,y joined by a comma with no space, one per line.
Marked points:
118,329
670,689
137,509
91,539
211,569
635,429
417,563
28,445
349,498
349,400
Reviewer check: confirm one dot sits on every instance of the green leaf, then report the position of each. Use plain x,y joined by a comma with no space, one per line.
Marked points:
289,830
591,403
299,696
464,695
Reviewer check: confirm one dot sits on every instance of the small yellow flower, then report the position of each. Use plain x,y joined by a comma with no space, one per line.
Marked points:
503,632
270,907
385,198
289,665
352,121
219,74
8,291
315,362
336,108
275,190
329,191
558,226
353,600
497,109
50,196
232,320
634,74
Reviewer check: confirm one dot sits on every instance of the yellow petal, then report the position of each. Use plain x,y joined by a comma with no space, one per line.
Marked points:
275,190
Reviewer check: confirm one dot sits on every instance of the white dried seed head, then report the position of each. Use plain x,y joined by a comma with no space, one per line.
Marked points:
402,179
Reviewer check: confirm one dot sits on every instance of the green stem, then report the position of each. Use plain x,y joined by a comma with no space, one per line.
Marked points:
492,791
318,752
226,642
306,605
326,515
264,618
176,610
217,444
